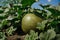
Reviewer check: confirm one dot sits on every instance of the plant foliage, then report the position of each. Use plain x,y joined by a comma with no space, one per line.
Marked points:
11,17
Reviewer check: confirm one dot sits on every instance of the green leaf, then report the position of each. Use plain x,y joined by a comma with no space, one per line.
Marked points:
51,32
19,13
41,25
4,22
44,6
55,13
3,14
26,37
26,3
1,27
1,10
10,30
2,36
48,14
49,35
31,36
58,8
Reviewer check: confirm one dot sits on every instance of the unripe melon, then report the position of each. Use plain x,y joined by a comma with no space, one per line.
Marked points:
29,22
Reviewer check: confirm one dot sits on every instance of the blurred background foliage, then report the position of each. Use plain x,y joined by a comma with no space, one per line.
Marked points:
12,14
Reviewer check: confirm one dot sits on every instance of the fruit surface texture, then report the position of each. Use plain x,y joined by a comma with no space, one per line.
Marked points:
29,21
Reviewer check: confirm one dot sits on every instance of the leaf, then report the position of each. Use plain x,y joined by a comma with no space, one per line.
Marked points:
10,30
26,37
25,3
3,14
44,6
4,22
19,13
41,25
42,36
6,10
55,13
48,13
2,36
11,17
1,26
1,10
58,8
31,36
49,35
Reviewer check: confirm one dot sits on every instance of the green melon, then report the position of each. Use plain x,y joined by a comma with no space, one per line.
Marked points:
30,21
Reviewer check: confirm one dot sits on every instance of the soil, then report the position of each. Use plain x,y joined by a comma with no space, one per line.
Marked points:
16,37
